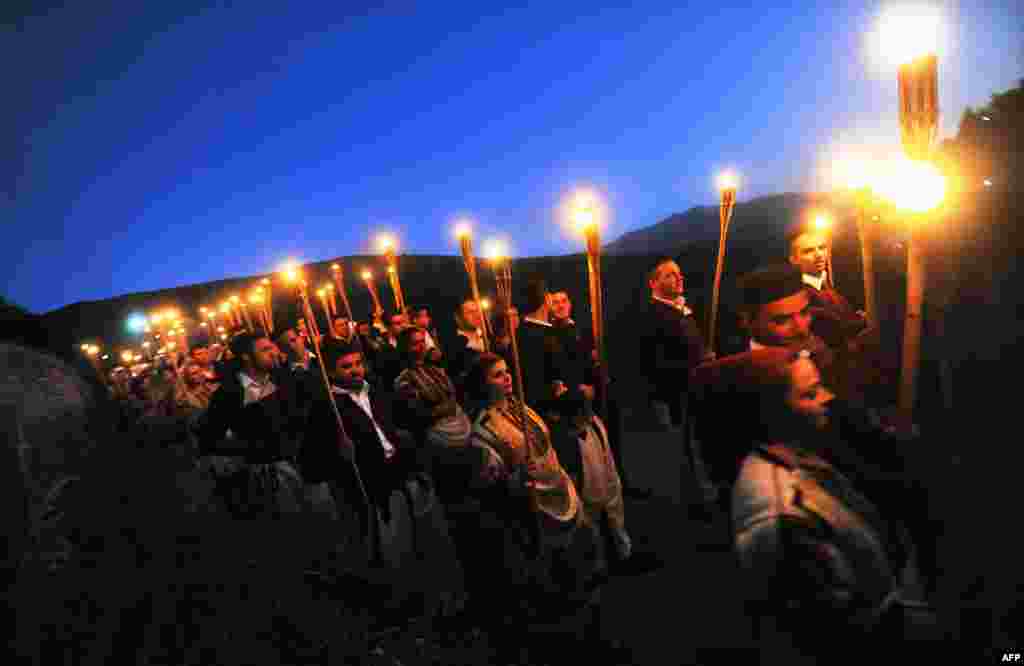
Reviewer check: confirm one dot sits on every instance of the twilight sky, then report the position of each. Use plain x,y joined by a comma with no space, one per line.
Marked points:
158,144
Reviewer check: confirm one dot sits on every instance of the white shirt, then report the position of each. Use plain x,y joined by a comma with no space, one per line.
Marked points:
253,390
678,304
476,339
816,282
305,364
362,398
430,340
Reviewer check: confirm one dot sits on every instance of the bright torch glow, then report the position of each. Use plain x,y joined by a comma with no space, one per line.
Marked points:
367,275
913,186
225,307
290,272
386,242
127,356
85,348
728,180
822,222
335,267
907,34
494,250
463,229
322,293
256,299
485,304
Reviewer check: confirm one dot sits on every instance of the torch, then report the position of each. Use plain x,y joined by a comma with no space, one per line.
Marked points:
918,188
727,184
244,307
911,40
322,294
269,304
465,237
503,276
292,275
256,299
585,220
339,281
332,302
387,246
378,311
854,176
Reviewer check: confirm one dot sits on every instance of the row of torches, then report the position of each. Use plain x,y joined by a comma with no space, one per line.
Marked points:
922,192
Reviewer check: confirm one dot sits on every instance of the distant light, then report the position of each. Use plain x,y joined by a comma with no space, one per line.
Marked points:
485,304
988,183
985,118
85,348
106,357
335,267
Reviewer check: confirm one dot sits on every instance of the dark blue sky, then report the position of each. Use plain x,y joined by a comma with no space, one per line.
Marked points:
156,146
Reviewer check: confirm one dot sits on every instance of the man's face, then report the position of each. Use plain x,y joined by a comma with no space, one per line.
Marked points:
422,319
194,374
471,314
342,328
295,343
418,345
561,306
782,323
201,355
264,355
806,396
668,281
349,369
397,323
809,253
513,316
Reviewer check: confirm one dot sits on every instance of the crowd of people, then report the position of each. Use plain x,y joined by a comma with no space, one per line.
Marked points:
396,433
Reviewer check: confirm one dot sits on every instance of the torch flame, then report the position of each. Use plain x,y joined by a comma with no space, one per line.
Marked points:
495,250
386,242
367,275
290,271
462,230
822,222
908,34
913,186
728,180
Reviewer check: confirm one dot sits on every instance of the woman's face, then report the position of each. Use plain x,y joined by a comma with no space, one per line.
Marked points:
194,374
498,376
806,396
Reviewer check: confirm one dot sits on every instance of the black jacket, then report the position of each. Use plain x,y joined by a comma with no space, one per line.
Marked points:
543,363
673,346
265,431
323,452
